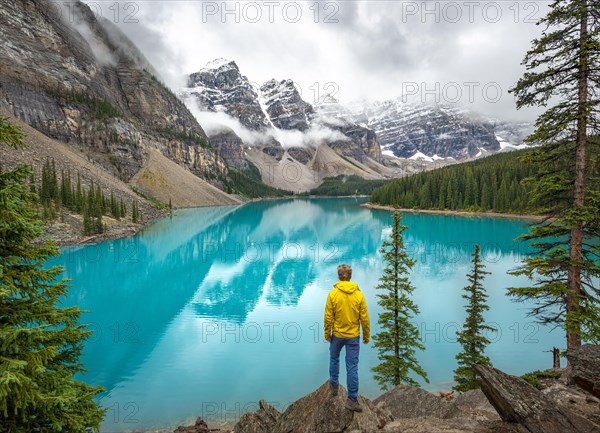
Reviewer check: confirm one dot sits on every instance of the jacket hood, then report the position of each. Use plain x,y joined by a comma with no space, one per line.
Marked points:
346,286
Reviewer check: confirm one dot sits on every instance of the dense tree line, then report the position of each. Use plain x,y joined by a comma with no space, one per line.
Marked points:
101,109
90,202
493,183
346,185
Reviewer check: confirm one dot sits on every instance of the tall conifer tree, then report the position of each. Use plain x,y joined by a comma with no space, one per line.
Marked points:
40,341
472,336
399,339
563,72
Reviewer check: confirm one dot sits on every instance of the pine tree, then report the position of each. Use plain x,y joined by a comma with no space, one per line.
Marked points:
564,66
55,193
399,339
472,337
32,182
88,227
40,342
45,187
79,197
135,213
114,206
123,209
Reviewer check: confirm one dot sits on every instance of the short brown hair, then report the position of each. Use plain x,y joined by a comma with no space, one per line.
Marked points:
344,272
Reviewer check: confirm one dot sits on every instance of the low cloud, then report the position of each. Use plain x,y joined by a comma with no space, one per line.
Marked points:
71,16
216,122
372,50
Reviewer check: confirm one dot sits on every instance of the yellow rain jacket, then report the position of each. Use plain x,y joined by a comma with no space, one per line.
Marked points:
345,309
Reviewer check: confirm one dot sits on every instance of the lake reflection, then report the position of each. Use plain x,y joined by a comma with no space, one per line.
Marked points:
208,312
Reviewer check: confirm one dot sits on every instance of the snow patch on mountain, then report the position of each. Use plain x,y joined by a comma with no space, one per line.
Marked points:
418,155
505,145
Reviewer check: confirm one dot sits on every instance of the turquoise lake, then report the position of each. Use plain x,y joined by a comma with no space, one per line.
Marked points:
205,313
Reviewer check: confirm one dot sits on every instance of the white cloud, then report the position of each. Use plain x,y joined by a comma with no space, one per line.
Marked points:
373,50
72,17
215,122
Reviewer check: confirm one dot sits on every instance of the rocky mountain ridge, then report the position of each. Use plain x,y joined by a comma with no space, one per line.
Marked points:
437,131
79,79
286,130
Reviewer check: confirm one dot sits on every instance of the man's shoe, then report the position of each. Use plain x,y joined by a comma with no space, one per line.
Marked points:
354,406
334,389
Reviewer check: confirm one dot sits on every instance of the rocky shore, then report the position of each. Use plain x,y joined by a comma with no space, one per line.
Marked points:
504,404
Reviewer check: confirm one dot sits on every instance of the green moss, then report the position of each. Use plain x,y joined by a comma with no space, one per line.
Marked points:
101,109
156,202
162,85
187,138
534,376
349,161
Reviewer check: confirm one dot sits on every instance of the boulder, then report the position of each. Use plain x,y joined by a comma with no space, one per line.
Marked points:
585,367
405,401
475,404
261,421
198,427
575,399
435,425
321,412
519,402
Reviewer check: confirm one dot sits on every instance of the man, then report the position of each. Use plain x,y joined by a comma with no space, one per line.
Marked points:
345,312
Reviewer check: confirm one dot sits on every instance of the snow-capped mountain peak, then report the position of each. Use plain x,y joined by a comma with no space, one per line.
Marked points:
416,130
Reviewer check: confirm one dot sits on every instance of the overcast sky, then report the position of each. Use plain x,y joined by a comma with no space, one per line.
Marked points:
465,52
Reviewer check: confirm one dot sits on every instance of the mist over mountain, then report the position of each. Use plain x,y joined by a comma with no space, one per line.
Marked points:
265,114
273,125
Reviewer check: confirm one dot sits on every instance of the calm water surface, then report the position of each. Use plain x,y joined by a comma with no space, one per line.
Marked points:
207,312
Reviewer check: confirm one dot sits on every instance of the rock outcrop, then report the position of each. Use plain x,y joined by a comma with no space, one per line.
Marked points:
585,365
574,399
284,105
261,421
518,402
221,87
78,79
198,427
318,412
435,425
476,404
405,401
230,147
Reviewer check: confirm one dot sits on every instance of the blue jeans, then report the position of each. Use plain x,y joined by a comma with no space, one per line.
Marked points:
352,349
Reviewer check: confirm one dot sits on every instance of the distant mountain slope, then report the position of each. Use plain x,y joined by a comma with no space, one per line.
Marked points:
435,131
169,182
81,81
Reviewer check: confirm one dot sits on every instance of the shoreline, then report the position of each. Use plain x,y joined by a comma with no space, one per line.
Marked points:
536,218
125,230
117,230
64,236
